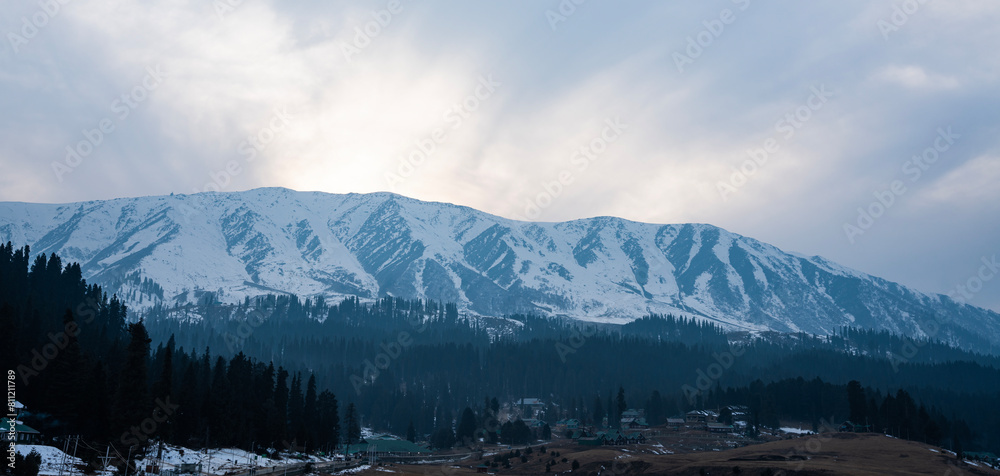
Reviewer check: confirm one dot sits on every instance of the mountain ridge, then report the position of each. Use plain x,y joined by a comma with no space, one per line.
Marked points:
609,269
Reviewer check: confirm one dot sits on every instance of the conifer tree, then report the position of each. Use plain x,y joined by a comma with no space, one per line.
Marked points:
466,427
856,401
598,411
621,406
132,402
329,419
66,378
309,413
281,406
296,410
411,433
352,426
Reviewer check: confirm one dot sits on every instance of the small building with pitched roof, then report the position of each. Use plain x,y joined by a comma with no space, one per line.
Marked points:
24,434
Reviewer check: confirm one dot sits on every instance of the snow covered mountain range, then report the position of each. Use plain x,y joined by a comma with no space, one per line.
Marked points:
273,240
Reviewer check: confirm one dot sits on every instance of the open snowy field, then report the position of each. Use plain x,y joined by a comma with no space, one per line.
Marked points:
214,461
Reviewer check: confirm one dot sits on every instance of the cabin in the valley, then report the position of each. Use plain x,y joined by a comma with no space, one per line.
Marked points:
635,438
530,407
849,426
675,423
566,427
634,424
611,438
696,417
25,435
387,448
719,428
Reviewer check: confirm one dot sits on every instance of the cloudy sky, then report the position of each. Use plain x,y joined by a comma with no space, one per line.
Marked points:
775,120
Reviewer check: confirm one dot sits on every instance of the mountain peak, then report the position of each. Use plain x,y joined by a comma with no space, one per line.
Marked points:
239,244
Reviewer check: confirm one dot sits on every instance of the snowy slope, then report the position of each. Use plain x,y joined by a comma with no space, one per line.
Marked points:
604,269
54,461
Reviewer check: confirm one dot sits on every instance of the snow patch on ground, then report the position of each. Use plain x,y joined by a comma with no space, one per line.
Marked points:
358,469
796,431
220,461
217,461
54,460
660,450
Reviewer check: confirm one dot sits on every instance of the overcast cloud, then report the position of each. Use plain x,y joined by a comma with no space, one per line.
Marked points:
489,104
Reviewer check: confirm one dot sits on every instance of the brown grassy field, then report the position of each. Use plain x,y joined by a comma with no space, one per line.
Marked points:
829,454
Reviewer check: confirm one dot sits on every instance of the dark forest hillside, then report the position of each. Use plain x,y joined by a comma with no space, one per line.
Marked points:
281,372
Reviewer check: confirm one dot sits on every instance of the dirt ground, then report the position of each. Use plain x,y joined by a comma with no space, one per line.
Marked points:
827,454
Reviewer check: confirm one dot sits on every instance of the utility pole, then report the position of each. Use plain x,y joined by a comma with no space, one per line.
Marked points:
253,469
128,459
63,458
107,457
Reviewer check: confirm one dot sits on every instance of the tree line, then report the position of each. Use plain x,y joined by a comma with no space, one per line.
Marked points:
266,370
83,368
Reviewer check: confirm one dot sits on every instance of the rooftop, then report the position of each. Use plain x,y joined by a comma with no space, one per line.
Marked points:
18,426
387,446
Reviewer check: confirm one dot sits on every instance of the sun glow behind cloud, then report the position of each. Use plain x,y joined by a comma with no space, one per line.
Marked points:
353,119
